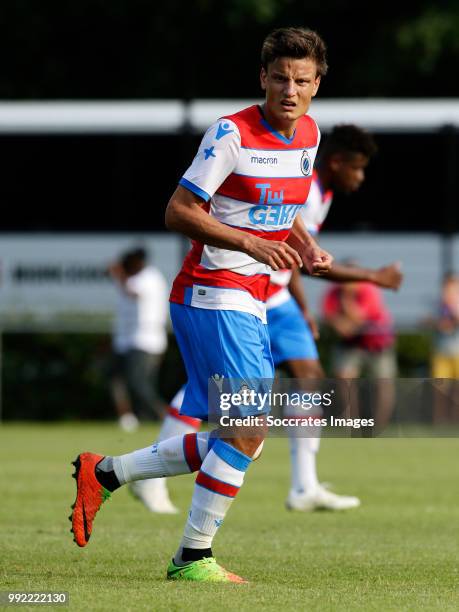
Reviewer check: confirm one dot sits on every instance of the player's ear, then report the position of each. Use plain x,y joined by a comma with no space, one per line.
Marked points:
263,75
335,161
316,85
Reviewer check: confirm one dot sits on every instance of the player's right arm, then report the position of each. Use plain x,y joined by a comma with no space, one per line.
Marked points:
184,214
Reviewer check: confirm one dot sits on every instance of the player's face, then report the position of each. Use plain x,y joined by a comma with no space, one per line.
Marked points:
290,84
348,171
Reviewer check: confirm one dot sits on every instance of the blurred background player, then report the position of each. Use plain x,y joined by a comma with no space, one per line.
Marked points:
341,167
139,337
357,314
445,358
292,328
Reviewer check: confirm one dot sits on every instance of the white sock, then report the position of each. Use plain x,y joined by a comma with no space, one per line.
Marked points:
303,453
219,479
177,455
172,426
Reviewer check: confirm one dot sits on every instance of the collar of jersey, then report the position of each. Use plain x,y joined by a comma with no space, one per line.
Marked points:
283,139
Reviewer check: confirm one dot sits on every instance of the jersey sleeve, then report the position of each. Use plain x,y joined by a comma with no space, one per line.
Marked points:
319,135
312,213
215,160
322,214
137,284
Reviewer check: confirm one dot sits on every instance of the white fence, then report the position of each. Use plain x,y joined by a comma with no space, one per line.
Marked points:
173,116
60,282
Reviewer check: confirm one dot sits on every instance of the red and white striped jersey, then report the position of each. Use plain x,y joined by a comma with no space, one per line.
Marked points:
256,180
313,214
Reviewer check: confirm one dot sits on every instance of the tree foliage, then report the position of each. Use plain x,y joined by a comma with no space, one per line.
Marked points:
143,49
431,36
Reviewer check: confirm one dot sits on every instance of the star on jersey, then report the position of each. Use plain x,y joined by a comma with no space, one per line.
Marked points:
223,130
209,152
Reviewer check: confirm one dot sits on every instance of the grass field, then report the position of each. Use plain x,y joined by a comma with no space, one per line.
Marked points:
399,551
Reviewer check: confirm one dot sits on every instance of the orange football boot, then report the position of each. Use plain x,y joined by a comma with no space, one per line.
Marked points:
90,496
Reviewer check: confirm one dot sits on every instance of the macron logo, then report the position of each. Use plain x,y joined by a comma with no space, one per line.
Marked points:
271,161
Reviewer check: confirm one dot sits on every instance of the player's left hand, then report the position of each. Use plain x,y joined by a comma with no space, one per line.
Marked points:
316,260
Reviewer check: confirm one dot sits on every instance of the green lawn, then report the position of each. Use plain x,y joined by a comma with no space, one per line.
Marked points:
399,551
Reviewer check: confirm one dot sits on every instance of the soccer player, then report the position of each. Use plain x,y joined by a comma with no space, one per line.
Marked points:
293,331
238,202
366,340
139,336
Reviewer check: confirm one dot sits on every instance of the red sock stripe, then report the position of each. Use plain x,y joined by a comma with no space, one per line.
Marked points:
190,450
217,486
173,412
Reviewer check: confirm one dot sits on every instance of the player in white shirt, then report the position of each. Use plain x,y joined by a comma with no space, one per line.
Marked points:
139,336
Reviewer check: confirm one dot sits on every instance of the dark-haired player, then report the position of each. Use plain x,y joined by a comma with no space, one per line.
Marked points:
341,166
238,202
139,336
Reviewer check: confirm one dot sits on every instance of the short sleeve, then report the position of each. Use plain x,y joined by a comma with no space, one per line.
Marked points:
137,283
215,160
314,211
147,281
319,135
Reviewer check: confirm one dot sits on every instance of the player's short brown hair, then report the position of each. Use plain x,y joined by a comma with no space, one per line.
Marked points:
297,43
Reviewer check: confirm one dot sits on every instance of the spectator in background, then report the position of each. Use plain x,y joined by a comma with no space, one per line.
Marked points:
445,359
139,338
357,313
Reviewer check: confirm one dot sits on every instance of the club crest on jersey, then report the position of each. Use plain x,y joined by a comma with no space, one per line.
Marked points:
306,163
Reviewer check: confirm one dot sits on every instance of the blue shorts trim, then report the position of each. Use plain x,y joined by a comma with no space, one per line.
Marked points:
290,335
